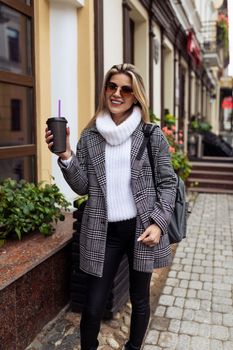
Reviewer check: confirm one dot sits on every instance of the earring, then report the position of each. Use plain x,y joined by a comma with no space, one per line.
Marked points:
135,102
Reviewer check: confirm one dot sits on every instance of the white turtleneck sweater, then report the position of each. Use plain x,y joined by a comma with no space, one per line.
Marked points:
120,201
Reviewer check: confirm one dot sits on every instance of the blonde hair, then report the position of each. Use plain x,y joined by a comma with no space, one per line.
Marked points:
137,86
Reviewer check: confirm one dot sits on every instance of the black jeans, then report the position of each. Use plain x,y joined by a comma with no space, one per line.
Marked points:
120,241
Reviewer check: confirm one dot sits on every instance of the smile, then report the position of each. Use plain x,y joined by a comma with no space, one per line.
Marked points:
116,102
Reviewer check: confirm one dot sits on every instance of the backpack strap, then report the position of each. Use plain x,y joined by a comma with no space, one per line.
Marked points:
147,130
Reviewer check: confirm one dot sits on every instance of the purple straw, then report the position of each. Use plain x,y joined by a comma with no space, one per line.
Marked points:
59,108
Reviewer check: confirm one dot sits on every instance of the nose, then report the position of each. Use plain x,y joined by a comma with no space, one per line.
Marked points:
117,92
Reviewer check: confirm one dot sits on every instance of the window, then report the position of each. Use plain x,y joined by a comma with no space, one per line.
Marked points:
15,40
17,90
15,115
18,168
13,44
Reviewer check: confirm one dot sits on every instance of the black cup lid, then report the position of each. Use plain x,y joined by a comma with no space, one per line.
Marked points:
57,119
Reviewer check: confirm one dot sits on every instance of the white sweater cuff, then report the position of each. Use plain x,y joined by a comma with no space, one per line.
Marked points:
66,162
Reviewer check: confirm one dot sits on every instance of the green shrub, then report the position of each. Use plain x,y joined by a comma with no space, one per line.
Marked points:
153,117
200,126
179,159
27,207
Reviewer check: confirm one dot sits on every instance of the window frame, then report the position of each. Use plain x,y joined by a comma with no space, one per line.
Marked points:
24,80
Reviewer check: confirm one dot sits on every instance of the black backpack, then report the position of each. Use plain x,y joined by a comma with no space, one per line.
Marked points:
178,223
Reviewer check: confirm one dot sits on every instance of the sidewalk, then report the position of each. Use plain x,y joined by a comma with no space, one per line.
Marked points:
195,308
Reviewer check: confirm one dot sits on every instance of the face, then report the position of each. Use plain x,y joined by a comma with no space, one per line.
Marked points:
119,96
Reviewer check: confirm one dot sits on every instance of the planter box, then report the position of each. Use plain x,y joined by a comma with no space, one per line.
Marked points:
34,284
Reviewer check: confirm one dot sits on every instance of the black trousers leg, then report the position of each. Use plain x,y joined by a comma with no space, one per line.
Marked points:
99,288
120,240
140,301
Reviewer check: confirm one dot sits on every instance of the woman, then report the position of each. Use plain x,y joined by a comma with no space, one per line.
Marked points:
122,215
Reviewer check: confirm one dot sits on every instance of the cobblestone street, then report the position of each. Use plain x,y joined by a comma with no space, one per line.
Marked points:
194,311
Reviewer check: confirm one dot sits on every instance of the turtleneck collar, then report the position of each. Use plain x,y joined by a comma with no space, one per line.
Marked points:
117,134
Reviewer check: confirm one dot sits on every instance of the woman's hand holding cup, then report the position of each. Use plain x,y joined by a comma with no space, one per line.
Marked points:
49,140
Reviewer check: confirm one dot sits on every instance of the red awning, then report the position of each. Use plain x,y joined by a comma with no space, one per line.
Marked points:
193,47
227,103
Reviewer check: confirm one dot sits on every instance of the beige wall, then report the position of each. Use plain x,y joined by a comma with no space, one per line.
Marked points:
43,97
177,86
113,33
168,75
204,102
141,40
86,78
198,96
193,93
157,75
185,66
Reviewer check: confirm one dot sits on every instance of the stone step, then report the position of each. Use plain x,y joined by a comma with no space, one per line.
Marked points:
209,166
210,183
209,190
211,176
217,175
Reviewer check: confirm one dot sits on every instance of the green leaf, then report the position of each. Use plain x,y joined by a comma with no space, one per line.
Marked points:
2,242
18,232
61,217
45,229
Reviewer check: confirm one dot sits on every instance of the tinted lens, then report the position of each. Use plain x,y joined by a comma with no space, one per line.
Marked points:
111,87
124,90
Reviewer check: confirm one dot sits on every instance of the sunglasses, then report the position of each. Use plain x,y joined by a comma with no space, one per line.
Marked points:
125,90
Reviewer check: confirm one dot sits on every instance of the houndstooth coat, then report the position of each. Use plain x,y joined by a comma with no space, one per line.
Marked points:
86,175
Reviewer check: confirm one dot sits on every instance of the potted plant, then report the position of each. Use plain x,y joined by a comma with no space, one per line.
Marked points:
200,126
222,30
27,207
179,159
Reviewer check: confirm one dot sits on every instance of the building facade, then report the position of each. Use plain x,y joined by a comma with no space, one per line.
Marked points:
54,50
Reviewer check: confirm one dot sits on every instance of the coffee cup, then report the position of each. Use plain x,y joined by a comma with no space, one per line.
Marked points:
57,126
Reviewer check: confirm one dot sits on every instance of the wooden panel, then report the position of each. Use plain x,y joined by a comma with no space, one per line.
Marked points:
19,6
16,79
17,151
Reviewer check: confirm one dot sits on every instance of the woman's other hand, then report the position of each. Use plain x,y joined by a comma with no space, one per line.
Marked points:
49,140
151,236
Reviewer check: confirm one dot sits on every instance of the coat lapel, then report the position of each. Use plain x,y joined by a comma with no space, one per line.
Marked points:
96,149
137,181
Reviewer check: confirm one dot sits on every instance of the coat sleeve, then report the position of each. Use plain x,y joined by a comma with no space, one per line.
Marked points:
75,173
166,183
